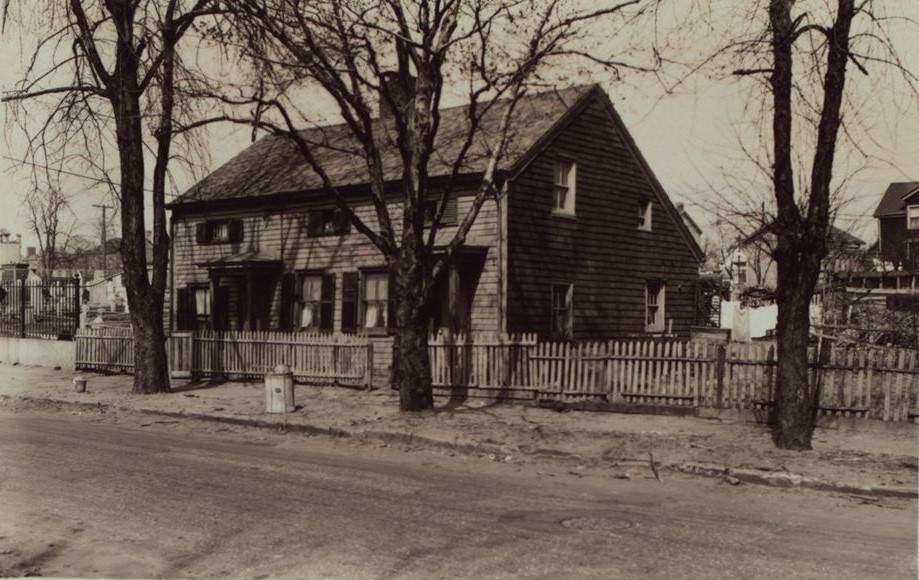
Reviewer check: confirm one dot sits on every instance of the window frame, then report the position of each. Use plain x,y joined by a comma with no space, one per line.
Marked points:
645,215
566,333
571,189
912,213
659,325
327,216
384,305
301,301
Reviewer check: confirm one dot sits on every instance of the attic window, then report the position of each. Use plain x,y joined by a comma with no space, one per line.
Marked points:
644,215
564,186
912,217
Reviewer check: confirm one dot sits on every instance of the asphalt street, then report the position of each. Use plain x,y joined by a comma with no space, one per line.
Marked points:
88,497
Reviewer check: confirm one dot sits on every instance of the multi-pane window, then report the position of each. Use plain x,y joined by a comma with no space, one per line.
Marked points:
564,186
654,306
644,215
310,301
376,299
202,306
912,217
562,311
219,231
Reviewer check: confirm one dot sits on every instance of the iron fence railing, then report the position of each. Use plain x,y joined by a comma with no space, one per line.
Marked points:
40,308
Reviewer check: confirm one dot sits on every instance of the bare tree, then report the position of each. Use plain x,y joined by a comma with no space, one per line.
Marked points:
48,207
802,54
115,66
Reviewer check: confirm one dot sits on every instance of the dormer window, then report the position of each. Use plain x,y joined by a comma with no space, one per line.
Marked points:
912,217
564,187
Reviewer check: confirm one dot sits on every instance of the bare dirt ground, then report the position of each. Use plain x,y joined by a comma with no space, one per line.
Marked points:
879,456
96,492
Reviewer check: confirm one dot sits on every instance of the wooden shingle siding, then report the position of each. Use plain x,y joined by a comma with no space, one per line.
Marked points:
282,233
600,250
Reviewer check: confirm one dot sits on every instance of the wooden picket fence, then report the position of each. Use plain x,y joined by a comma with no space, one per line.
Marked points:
857,382
864,382
314,358
104,349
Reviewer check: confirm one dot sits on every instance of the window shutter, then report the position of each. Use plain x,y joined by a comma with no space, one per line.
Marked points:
350,289
327,308
185,305
342,222
236,231
391,303
288,296
201,232
313,222
450,217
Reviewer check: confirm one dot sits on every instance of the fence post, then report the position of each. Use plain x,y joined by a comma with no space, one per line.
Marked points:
76,304
368,372
180,355
720,370
22,307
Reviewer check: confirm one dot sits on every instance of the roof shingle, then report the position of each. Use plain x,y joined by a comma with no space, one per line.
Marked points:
273,165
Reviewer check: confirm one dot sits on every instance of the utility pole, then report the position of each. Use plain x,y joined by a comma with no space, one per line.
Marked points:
103,207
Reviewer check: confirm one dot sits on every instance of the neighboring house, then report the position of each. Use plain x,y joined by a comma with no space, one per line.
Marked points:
751,265
583,243
10,248
691,226
898,225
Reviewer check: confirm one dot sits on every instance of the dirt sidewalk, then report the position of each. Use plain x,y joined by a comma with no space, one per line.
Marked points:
880,459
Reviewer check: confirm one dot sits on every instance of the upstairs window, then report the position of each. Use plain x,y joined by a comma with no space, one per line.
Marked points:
328,222
564,186
219,232
655,295
563,311
448,218
912,217
644,215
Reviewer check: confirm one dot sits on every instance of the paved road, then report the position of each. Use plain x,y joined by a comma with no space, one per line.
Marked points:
83,497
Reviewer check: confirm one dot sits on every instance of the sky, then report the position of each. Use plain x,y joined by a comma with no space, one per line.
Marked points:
689,136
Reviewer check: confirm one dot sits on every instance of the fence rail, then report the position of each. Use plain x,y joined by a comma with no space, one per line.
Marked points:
39,308
858,382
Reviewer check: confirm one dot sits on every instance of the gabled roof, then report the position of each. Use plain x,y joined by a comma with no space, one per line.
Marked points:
273,165
894,201
835,237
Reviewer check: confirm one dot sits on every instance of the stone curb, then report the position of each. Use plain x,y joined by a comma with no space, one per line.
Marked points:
772,479
784,479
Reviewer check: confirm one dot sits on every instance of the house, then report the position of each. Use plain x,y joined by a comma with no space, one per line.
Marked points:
898,225
583,243
751,265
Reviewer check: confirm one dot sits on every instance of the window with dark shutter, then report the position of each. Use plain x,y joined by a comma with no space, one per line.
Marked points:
391,303
327,222
235,231
327,306
185,314
350,290
450,215
288,300
201,233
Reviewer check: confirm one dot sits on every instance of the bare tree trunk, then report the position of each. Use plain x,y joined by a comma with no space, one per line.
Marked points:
145,302
795,412
412,363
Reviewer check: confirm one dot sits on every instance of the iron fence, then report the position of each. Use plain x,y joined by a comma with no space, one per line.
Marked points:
40,308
